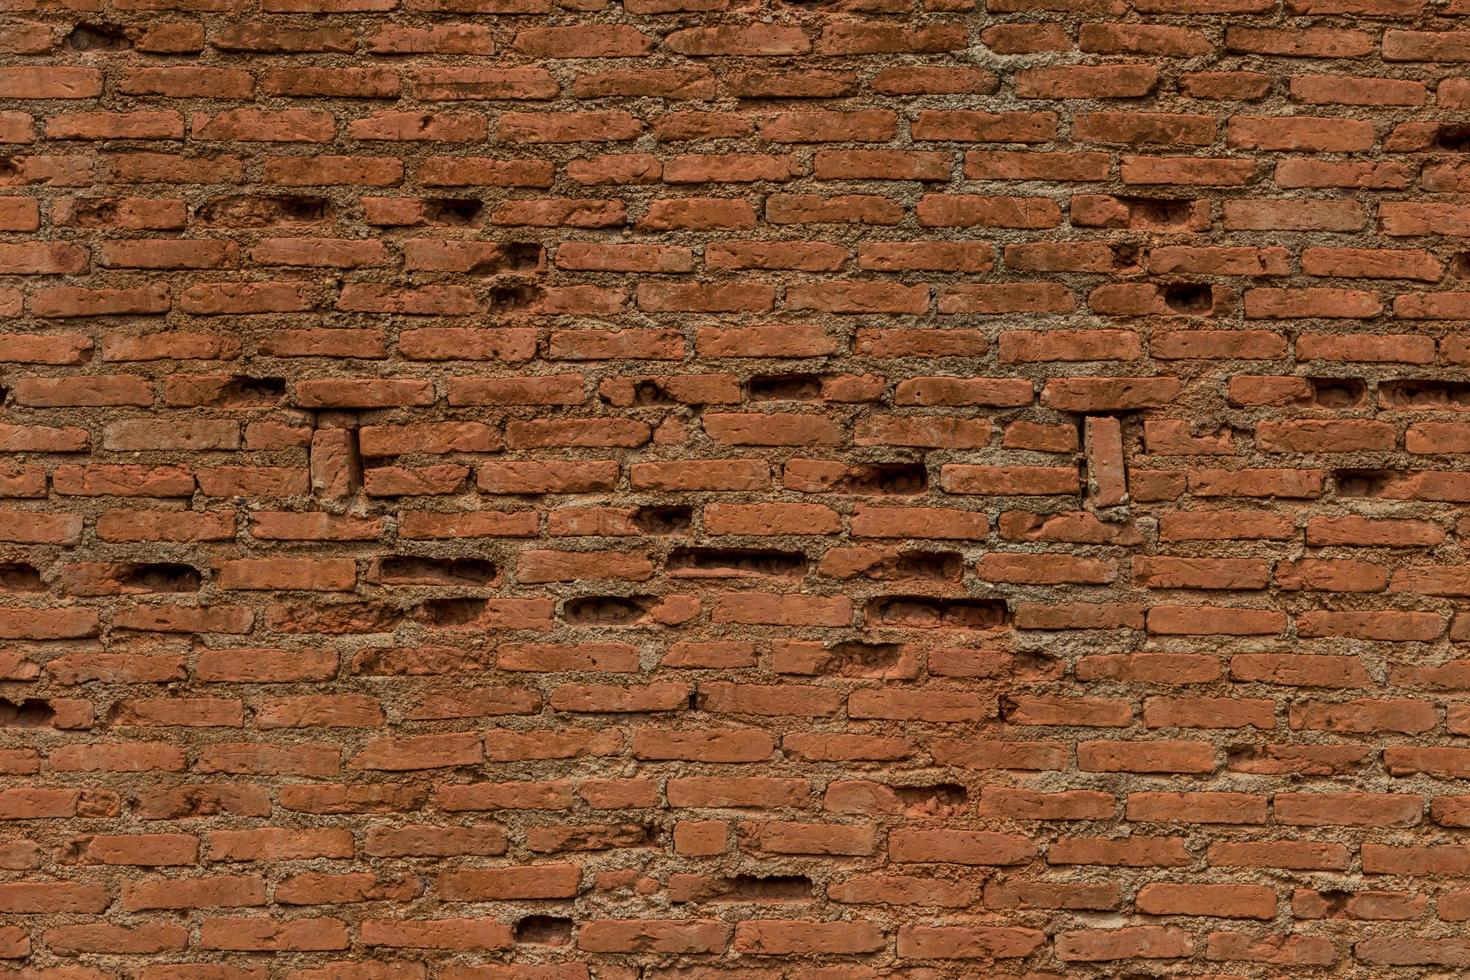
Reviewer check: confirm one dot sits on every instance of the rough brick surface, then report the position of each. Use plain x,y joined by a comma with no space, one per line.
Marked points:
723,490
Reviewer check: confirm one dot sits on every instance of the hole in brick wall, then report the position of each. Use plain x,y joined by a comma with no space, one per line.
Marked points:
9,168
453,210
1460,265
510,257
784,387
663,520
248,211
98,37
420,661
93,212
942,800
1337,392
1449,395
650,392
1243,753
1127,255
765,888
1035,663
1156,212
243,391
20,577
507,296
520,256
1363,483
928,564
338,618
734,562
855,658
925,613
161,577
1453,136
187,801
1189,297
303,209
544,930
607,610
601,837
885,478
27,713
413,570
451,612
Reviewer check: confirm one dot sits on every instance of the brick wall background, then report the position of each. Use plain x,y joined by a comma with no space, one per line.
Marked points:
718,490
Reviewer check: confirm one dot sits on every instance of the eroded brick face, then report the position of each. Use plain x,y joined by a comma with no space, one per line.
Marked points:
723,490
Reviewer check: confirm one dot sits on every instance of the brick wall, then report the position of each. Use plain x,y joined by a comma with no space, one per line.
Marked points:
703,490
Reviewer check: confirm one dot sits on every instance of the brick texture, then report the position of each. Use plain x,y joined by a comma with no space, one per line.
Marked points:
734,490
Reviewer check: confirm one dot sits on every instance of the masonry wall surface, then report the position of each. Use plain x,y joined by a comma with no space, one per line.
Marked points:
724,490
